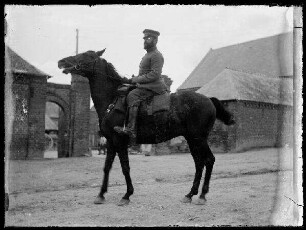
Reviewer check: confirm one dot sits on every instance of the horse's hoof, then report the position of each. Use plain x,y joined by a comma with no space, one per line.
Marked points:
186,200
123,202
200,201
99,200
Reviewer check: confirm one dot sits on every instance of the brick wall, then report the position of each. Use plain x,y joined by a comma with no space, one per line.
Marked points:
29,93
261,125
19,141
37,110
80,102
61,90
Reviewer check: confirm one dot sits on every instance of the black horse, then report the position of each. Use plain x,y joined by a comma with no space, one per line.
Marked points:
191,115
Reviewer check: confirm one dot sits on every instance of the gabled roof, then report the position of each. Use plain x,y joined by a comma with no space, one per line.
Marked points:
19,65
237,85
271,56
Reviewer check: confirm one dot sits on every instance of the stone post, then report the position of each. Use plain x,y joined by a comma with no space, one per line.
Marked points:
80,107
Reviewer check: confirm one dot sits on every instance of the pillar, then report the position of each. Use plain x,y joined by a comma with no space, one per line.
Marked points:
80,107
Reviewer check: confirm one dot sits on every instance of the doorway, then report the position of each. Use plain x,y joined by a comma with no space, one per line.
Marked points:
56,131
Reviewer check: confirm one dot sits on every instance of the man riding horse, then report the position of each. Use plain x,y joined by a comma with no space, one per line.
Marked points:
191,115
149,82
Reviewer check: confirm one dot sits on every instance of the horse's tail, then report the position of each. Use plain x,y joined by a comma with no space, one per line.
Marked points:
221,113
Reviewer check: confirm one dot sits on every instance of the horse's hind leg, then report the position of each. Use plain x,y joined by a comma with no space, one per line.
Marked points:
196,152
209,163
124,161
107,167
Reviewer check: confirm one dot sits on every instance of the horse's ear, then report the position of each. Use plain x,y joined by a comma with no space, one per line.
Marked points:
99,53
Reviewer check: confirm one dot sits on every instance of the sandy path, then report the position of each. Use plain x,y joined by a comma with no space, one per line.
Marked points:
60,192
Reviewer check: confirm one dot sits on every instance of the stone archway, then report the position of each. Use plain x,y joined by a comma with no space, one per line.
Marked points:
74,100
27,94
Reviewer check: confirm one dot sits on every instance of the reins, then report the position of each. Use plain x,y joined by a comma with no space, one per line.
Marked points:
79,65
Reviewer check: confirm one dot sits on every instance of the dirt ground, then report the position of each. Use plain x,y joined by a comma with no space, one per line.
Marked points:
60,192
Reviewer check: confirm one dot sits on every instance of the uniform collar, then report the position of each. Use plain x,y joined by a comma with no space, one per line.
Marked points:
151,49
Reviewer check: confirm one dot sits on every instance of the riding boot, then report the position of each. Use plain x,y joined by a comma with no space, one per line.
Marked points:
131,127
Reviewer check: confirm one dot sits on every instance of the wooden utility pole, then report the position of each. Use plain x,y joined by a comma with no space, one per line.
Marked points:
77,41
72,105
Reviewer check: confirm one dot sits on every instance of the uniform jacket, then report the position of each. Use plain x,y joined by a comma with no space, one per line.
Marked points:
150,70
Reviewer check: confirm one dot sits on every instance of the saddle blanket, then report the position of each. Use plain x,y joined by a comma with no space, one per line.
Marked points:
156,104
159,103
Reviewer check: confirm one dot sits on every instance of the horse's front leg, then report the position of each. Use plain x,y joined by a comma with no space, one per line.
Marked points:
111,153
124,161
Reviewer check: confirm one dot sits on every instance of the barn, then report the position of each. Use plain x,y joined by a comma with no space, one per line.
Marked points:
262,107
254,80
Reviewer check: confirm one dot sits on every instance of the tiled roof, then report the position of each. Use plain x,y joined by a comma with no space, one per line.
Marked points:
271,56
19,65
237,85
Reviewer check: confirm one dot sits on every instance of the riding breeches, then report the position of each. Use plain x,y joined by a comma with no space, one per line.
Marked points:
137,95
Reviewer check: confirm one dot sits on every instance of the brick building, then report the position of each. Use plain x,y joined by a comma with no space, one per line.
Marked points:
30,91
262,107
29,87
255,81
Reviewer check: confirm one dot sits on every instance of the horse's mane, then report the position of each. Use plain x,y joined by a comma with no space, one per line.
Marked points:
112,72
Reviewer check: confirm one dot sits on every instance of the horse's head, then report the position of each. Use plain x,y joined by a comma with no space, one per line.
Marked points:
81,64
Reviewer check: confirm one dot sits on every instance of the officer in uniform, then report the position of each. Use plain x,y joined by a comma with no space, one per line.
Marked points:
149,82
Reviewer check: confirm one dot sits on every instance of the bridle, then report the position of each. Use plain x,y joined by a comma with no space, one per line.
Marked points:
78,66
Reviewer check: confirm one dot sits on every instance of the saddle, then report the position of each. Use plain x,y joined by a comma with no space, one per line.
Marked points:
153,113
153,104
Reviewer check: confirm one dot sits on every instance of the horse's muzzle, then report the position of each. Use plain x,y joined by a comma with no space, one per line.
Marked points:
67,70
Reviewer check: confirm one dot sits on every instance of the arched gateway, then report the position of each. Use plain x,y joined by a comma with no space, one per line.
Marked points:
30,91
73,123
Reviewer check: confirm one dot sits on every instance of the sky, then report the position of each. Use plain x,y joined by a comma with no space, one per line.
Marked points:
42,35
